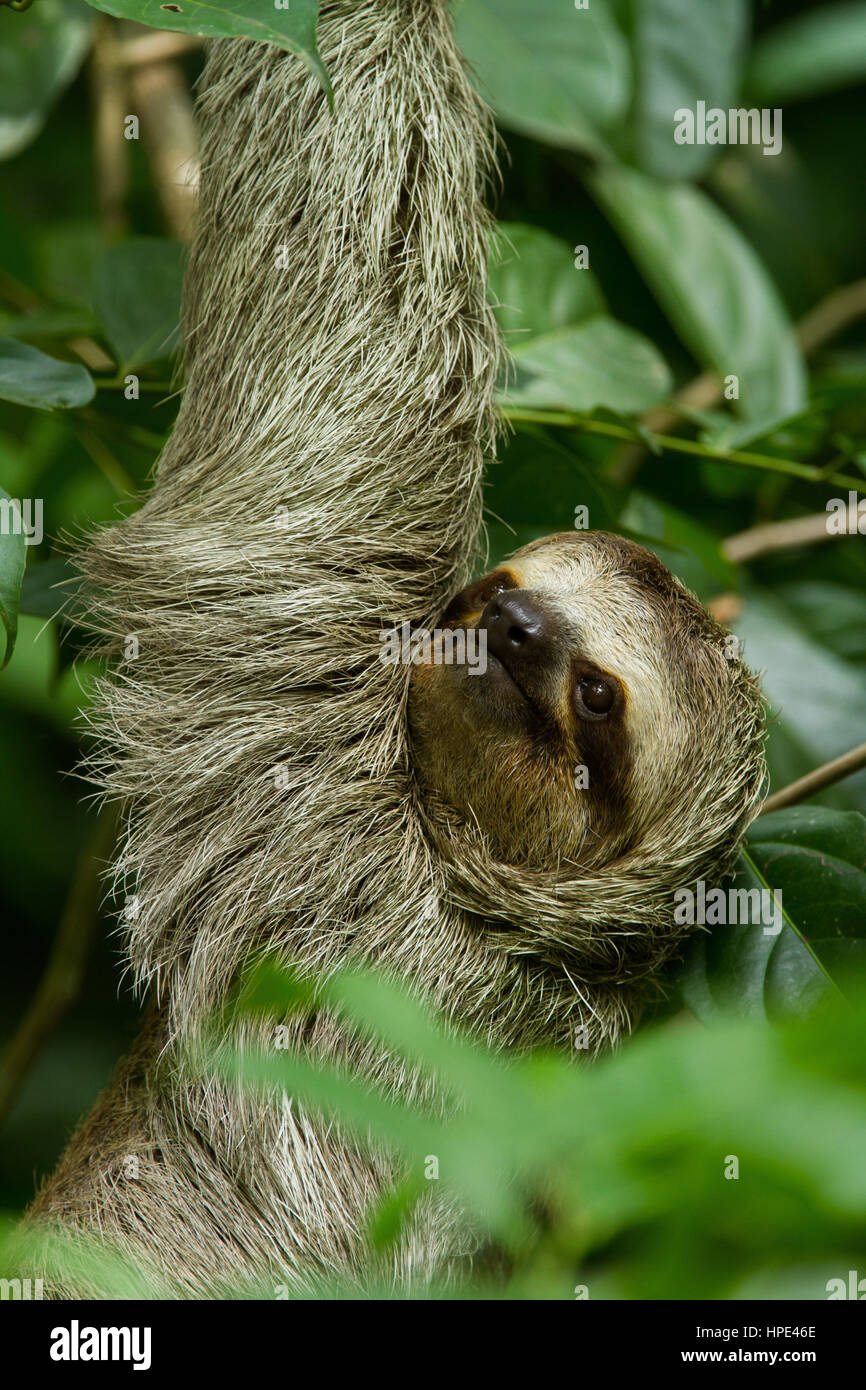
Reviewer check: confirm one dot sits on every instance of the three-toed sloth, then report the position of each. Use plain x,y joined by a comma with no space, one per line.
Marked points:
507,841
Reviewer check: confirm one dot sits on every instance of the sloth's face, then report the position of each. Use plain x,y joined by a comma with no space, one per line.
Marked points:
585,703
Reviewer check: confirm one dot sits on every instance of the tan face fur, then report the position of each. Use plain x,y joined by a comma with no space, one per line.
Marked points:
608,705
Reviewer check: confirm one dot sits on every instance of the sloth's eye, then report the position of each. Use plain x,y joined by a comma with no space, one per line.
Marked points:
596,695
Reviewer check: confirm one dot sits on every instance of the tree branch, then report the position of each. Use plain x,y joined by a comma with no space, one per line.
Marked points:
781,535
816,781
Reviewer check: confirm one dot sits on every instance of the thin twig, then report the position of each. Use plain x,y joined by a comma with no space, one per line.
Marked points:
781,535
157,48
91,354
816,781
768,462
161,95
831,316
111,150
61,980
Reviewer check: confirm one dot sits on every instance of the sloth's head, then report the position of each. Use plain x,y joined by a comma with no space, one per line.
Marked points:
600,712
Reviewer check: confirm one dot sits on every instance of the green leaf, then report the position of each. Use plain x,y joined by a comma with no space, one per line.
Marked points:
66,251
566,351
13,557
727,432
136,290
818,701
683,51
30,377
820,856
714,290
551,71
272,989
819,51
292,28
41,50
815,859
535,285
596,363
535,488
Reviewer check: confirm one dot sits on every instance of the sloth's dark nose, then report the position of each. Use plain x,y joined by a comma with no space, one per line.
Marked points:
517,631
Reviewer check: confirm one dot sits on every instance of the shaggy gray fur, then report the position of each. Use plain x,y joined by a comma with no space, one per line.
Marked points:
322,481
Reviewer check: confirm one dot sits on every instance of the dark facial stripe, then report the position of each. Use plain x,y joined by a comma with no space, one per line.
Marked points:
604,747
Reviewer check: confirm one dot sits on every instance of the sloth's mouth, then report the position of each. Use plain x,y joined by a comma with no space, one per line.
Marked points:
506,679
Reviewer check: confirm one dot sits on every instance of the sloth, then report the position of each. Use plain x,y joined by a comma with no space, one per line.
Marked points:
507,843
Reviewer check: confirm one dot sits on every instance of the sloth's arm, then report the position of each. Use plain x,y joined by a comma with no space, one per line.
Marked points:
322,480
341,355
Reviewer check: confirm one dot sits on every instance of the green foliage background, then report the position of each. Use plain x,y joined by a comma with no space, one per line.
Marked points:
701,259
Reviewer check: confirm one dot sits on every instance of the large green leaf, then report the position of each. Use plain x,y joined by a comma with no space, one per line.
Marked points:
684,51
817,699
711,285
136,293
13,556
40,52
816,52
549,70
535,285
816,860
596,363
292,26
30,377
